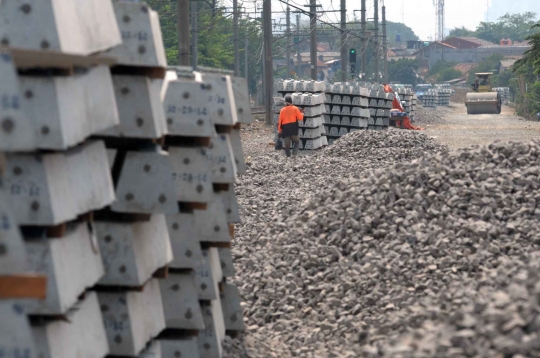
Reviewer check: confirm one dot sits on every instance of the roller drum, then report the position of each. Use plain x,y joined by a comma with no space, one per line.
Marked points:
484,103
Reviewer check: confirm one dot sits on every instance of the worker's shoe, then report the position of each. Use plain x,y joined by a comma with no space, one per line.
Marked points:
288,153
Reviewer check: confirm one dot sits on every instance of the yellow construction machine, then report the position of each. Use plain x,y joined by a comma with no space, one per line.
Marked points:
483,100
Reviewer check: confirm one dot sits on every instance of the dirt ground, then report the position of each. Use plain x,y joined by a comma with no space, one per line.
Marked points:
461,130
455,129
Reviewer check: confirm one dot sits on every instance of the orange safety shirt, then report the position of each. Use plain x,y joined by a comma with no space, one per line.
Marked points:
289,114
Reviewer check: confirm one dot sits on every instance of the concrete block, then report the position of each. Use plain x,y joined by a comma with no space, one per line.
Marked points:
232,309
236,144
16,133
211,338
180,302
16,339
192,174
324,140
132,318
346,121
65,110
146,185
142,43
226,261
48,189
211,224
140,108
311,133
185,244
241,99
208,274
81,334
222,104
82,28
132,252
188,109
13,257
228,198
288,85
167,348
72,264
221,158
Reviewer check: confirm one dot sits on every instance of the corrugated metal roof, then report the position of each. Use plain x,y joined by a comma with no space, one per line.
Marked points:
476,40
508,63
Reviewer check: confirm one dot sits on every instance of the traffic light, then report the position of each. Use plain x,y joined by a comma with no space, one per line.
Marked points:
352,55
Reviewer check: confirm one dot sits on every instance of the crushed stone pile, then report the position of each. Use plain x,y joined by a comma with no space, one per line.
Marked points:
390,146
434,257
428,116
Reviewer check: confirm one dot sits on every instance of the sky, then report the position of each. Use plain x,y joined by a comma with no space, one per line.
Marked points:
420,14
417,14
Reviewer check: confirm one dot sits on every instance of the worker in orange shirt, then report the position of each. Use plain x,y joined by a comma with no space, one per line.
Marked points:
288,125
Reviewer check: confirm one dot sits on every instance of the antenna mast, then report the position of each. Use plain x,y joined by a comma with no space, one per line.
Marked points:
439,14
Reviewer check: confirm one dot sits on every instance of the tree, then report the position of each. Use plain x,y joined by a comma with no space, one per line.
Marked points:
461,32
518,26
395,28
448,74
215,45
532,56
488,65
403,71
439,67
513,26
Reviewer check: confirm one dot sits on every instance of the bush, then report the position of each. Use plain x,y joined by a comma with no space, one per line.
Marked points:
448,74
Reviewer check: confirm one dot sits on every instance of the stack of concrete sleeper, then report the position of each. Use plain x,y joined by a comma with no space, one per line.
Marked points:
349,110
122,191
310,96
380,104
54,97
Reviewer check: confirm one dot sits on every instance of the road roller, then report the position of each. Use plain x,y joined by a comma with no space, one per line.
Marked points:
483,100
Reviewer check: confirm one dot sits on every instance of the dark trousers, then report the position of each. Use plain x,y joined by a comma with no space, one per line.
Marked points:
296,141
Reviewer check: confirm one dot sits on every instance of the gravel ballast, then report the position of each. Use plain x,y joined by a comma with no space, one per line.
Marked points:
351,253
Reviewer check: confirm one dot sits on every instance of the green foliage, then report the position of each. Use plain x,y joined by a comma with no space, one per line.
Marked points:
396,28
448,74
524,86
532,56
488,65
215,45
526,71
461,32
403,71
513,26
439,67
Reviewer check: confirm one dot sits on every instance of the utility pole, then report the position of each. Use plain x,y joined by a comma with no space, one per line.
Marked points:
377,41
183,32
235,39
385,45
313,37
288,49
343,41
298,56
268,68
194,34
246,58
364,36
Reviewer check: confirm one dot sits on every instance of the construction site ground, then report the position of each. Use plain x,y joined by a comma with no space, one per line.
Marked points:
456,129
319,234
451,126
